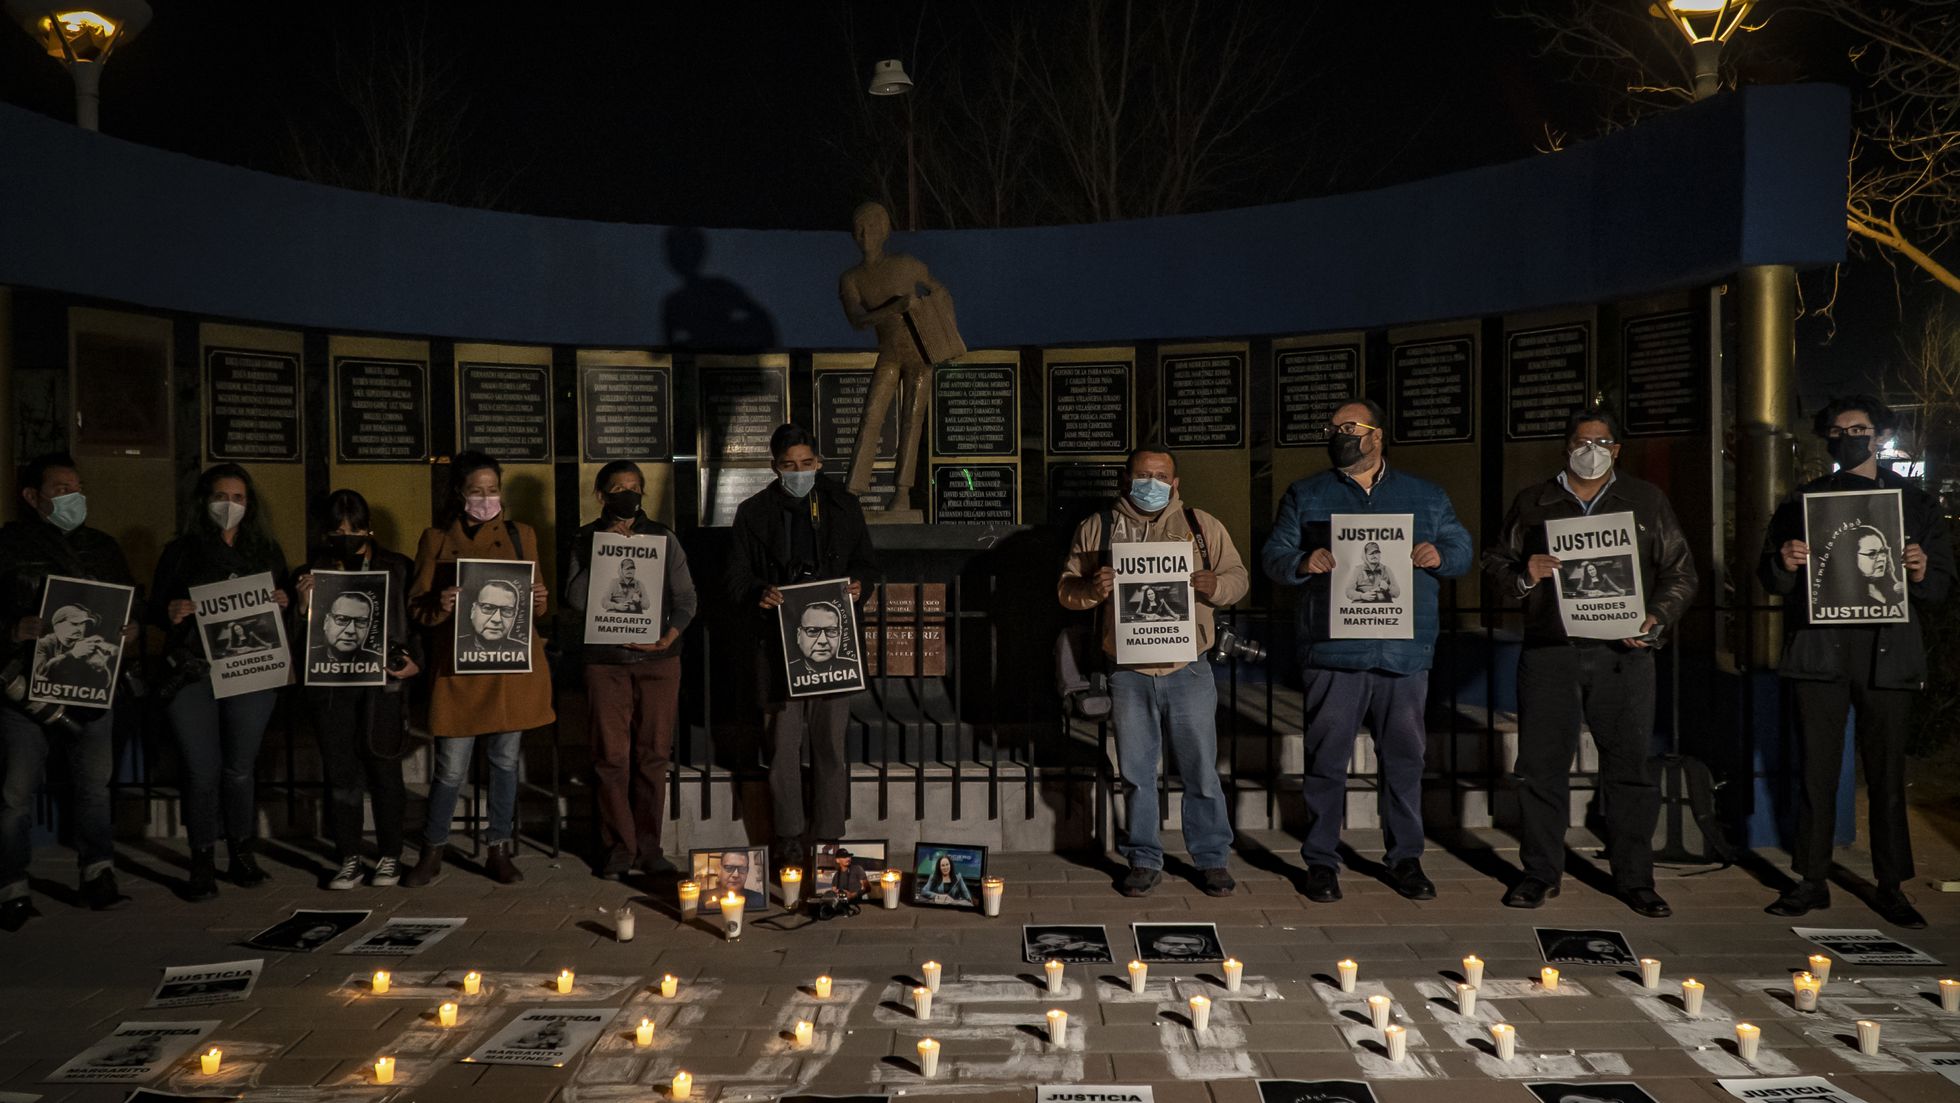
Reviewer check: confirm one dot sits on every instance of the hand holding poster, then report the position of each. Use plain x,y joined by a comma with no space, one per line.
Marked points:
1154,622
347,629
80,650
821,652
493,616
1857,544
244,637
624,588
1373,579
1599,593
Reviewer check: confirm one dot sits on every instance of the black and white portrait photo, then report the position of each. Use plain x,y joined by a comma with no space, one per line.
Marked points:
1371,588
1370,582
493,616
1171,943
401,935
1315,1091
1070,944
820,639
242,636
1563,947
624,588
79,654
347,629
1154,601
1857,545
1622,1092
1603,576
305,931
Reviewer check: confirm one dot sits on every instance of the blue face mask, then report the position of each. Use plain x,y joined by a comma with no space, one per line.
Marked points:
1149,494
69,511
799,483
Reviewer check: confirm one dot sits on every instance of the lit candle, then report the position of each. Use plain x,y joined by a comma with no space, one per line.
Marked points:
1747,1037
384,1070
210,1060
1950,995
1867,1037
1650,973
472,983
1200,1014
922,1002
690,900
1820,967
1692,991
928,1058
1473,970
1348,971
1139,974
822,987
564,981
930,970
1234,974
1378,1009
1398,1042
1548,979
891,881
1806,986
1466,1000
1506,1038
670,986
1058,1027
804,1033
623,924
446,1014
792,886
1054,970
643,1034
991,890
731,915
381,981
683,1086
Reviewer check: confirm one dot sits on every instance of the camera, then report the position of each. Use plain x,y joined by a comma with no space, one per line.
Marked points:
181,667
834,905
1230,645
13,682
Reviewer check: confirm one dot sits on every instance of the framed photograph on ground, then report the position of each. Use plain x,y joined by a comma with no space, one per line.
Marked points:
947,875
722,870
859,862
1177,943
1070,944
1563,947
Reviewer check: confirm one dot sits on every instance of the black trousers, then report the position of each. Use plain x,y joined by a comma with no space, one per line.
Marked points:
1882,713
1612,689
360,732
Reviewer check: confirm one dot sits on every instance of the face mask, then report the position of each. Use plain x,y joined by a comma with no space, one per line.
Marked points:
1150,495
68,512
345,548
1590,461
1849,452
1344,450
623,504
799,483
483,509
225,515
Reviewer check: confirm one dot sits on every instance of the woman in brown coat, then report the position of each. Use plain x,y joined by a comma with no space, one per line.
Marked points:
462,707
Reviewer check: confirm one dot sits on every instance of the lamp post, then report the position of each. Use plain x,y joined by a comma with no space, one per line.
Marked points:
82,39
1706,24
888,79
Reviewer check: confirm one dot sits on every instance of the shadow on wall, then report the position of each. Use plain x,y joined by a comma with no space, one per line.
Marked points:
709,312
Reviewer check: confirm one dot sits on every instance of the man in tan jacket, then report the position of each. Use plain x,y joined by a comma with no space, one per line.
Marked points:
1174,700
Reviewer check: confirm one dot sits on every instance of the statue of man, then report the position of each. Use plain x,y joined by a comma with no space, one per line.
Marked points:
912,314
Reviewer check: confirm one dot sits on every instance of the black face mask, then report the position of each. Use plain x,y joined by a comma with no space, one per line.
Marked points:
1344,450
347,549
623,504
1850,451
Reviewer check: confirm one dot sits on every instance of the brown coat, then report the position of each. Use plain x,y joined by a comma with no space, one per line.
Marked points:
475,704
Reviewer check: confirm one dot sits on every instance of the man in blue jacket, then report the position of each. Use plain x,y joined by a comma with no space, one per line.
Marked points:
1384,683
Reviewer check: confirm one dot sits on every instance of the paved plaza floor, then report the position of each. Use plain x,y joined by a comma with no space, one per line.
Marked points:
311,1030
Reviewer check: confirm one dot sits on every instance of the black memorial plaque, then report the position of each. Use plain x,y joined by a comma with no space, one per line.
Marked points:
506,411
1432,388
1089,408
740,407
975,494
1309,385
976,410
1664,383
1077,489
1204,401
381,411
254,403
1547,374
841,397
625,413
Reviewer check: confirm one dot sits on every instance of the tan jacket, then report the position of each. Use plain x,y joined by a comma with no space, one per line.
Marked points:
1077,586
475,704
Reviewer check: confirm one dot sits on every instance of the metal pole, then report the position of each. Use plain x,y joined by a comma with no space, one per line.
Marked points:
1765,377
88,96
1708,64
911,173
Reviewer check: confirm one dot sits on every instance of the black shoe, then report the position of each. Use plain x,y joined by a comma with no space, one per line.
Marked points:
1217,882
15,913
100,893
428,869
1139,881
1323,884
1892,906
1646,902
245,872
203,882
615,867
1406,877
657,864
1804,898
502,866
1529,893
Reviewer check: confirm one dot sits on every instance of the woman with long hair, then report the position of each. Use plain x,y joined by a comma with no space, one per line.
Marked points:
223,537
946,882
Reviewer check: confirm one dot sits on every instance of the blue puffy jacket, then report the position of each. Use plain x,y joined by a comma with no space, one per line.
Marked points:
1302,528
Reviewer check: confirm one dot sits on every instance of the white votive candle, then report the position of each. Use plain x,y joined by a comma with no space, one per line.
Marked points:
670,986
1057,1027
922,1002
1748,1037
930,971
1139,974
1378,1009
1505,1036
792,879
1347,970
210,1061
1473,970
565,979
381,981
822,987
1397,1040
384,1070
991,891
446,1014
804,1033
1054,970
1820,967
928,1058
472,983
1234,974
1548,979
643,1034
690,893
1200,1013
1650,973
890,881
1806,987
732,907
1692,991
1466,1000
623,924
1868,1037
683,1086
1949,995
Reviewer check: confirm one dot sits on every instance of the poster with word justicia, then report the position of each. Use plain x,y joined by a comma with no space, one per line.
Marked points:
243,634
624,588
1599,592
1372,587
1857,542
1154,619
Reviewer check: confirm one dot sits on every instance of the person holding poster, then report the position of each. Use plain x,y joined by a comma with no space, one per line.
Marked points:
1380,682
53,540
355,593
1373,593
803,527
223,539
632,687
496,707
1580,550
1834,665
1156,569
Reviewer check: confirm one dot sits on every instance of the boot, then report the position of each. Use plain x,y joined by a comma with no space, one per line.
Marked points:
203,883
501,868
244,870
428,869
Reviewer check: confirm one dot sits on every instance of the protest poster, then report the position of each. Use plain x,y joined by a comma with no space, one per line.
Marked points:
243,634
1568,947
1857,544
305,930
402,936
79,654
1591,1091
132,1053
1174,943
1373,581
821,652
1599,592
1068,943
493,616
1094,1093
624,587
1153,602
543,1037
1945,1063
347,629
1865,946
192,985
1810,1089
1315,1091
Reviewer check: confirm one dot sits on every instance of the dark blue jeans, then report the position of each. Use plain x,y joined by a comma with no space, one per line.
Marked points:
219,744
23,754
1338,703
1181,708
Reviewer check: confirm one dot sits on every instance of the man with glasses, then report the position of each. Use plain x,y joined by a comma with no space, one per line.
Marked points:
1381,683
1832,670
818,630
1609,684
493,615
346,630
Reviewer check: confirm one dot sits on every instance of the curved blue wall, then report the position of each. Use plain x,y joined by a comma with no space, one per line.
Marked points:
1751,178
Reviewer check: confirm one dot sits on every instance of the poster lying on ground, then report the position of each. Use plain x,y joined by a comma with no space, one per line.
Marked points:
1068,943
305,931
821,652
1810,1089
347,629
624,588
133,1053
1170,943
1315,1091
1372,587
192,985
1094,1093
1866,946
544,1037
1155,622
1599,593
403,936
1591,1092
1857,544
79,654
493,616
1567,947
243,634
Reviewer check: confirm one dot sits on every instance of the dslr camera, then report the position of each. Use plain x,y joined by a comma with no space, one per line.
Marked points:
1230,645
55,718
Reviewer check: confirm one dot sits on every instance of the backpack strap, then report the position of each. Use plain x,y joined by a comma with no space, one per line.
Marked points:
1198,534
1108,533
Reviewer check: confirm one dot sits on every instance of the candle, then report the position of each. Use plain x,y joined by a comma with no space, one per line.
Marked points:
890,881
623,925
1806,986
922,1002
1747,1037
1950,995
731,915
1054,970
690,900
1378,1009
928,1058
564,981
1347,970
210,1061
823,988
1867,1037
670,986
1692,991
1506,1037
472,983
1139,974
805,1031
1200,1013
991,890
1466,1000
1548,979
643,1034
1650,973
1398,1042
1058,1027
381,981
1234,974
930,970
792,886
446,1014
384,1070
683,1086
1473,970
1820,967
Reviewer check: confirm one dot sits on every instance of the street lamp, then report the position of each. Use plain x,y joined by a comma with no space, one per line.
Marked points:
888,79
82,39
1706,24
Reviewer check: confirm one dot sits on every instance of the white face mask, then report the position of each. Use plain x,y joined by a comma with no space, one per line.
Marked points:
1590,461
225,515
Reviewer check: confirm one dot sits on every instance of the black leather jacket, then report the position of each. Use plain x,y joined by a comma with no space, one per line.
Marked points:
32,549
1667,567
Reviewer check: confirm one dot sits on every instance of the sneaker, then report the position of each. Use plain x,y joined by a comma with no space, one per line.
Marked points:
15,913
1217,882
1139,881
349,876
387,873
101,894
